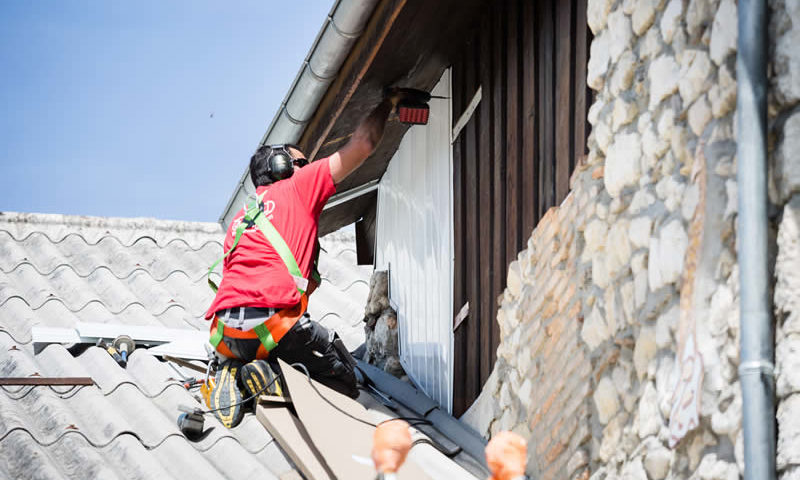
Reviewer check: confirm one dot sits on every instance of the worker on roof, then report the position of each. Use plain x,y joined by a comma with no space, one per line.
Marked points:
259,311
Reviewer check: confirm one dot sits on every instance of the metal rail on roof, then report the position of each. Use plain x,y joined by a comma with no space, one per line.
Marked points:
341,29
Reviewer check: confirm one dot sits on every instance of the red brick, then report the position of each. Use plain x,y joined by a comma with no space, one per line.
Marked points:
536,419
563,346
556,468
549,402
582,435
577,366
555,451
553,281
575,310
563,281
543,445
554,328
568,295
550,309
538,342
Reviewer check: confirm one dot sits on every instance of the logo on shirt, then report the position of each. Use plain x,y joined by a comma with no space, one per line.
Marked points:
269,208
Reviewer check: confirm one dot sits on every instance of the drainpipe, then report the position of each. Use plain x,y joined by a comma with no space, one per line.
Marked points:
756,369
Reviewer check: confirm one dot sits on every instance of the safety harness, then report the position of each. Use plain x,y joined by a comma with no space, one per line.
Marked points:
274,328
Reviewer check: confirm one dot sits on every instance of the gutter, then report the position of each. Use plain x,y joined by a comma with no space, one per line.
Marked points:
345,23
756,370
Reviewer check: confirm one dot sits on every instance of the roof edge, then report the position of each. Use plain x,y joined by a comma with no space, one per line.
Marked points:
336,37
116,223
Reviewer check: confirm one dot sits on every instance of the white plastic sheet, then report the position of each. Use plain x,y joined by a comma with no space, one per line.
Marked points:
414,241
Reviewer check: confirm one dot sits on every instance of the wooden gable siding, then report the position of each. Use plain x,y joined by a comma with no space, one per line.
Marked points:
513,159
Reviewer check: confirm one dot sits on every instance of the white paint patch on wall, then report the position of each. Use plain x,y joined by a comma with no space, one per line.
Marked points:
414,241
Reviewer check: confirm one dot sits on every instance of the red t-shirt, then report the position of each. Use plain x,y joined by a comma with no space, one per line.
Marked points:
254,275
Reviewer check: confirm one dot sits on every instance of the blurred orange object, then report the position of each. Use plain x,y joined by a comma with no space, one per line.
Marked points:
506,455
390,445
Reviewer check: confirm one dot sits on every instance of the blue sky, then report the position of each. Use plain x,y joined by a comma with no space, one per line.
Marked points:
107,104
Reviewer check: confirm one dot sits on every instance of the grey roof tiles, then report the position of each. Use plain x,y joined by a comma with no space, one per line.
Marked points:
58,270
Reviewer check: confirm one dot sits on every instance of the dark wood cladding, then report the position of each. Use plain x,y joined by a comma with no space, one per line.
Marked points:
513,159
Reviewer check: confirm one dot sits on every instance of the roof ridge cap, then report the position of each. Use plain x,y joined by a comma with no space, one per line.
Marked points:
89,221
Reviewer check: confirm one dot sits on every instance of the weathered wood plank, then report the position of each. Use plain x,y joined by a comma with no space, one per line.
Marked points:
582,93
499,219
544,20
325,414
564,96
529,190
472,227
512,131
459,244
486,194
294,440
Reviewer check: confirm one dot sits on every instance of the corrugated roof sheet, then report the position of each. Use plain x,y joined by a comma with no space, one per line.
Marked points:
339,302
57,270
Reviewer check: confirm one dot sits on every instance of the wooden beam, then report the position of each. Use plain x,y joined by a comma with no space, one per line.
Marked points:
564,104
462,315
485,199
582,94
499,217
340,428
294,440
350,75
512,134
529,191
467,115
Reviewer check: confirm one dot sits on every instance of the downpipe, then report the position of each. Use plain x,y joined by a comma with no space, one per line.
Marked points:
756,368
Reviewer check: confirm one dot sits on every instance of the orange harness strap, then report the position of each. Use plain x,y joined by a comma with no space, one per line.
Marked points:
271,331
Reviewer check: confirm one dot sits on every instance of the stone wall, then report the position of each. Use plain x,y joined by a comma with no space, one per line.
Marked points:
620,322
784,112
380,326
541,383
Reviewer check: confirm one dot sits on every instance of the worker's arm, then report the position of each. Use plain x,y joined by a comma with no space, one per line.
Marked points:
363,142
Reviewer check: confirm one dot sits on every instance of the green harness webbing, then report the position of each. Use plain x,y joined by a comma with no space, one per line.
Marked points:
254,216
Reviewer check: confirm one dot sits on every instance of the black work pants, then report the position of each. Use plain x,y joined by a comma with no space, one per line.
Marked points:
311,344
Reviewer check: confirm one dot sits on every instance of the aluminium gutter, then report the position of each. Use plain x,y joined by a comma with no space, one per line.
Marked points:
345,23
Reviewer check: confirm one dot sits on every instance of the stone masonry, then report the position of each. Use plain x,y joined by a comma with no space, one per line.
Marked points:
380,327
636,273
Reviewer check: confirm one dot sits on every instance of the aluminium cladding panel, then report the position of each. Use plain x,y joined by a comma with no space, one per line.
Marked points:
414,240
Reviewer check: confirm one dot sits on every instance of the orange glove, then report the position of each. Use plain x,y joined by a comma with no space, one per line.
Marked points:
506,455
390,445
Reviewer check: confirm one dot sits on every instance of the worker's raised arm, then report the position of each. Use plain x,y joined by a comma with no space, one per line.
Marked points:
363,142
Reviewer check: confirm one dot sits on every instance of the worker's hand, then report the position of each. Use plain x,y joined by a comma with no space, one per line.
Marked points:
395,95
506,455
390,445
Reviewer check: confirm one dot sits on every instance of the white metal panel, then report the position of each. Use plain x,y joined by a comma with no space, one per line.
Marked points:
414,241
